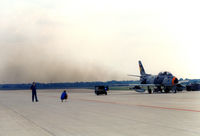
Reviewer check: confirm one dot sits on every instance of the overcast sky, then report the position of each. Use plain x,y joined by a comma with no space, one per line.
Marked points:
89,40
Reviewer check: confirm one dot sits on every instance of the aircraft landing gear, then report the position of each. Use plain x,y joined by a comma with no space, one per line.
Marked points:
149,90
166,91
158,89
174,90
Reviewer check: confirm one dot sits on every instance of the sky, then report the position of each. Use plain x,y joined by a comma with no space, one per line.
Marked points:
76,40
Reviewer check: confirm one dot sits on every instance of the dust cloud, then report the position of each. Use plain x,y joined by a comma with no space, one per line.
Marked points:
24,64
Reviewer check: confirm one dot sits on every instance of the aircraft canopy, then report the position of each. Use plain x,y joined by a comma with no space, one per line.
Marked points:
165,73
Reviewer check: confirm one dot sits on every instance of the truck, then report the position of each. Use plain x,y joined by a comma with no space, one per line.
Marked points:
101,90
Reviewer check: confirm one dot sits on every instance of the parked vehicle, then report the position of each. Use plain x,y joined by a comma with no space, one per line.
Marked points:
101,90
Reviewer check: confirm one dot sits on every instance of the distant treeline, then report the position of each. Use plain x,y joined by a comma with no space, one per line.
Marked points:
65,85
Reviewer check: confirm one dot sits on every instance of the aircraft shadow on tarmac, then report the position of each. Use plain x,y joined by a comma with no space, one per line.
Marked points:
146,93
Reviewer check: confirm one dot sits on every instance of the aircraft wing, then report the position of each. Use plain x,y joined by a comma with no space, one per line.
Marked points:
145,85
141,87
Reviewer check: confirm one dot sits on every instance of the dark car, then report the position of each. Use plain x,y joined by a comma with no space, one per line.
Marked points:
101,90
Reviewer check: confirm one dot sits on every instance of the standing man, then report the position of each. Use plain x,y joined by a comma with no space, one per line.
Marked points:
34,93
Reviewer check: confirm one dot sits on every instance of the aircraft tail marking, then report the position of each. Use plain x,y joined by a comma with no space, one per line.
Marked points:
142,71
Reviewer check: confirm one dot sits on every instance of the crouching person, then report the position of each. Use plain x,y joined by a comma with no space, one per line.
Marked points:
64,96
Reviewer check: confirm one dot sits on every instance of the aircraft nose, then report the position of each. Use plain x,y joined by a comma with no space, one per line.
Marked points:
174,81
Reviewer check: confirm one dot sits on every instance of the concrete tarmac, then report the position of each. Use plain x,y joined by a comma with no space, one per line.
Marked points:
120,113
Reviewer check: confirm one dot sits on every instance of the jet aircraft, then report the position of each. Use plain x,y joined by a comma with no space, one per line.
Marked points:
163,82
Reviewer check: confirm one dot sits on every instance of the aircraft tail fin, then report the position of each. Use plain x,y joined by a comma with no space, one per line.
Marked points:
142,71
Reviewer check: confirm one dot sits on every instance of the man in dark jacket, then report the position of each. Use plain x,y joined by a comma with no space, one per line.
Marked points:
64,96
34,93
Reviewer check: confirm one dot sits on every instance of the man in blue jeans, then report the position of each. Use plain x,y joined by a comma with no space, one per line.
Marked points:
34,93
